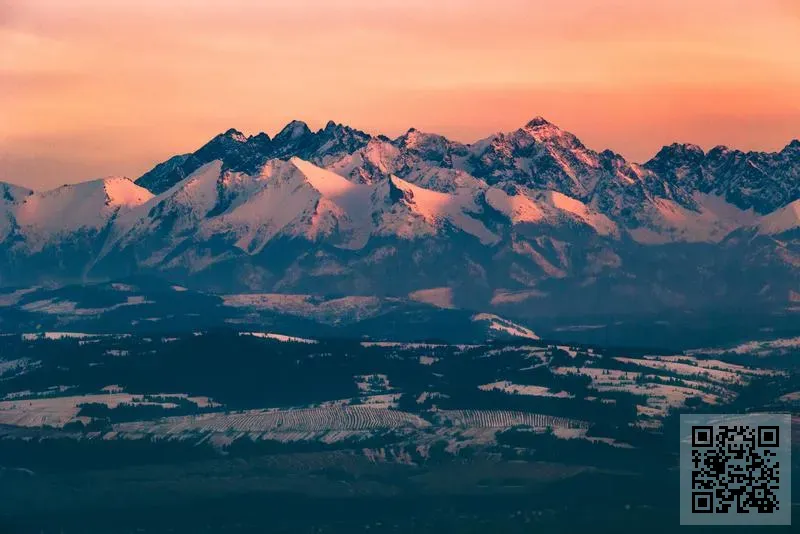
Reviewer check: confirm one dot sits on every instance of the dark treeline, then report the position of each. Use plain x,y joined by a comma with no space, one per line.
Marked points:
245,372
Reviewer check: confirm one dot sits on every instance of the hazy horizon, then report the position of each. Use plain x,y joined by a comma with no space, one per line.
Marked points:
90,89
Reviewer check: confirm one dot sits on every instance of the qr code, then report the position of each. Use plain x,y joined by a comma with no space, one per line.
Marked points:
738,468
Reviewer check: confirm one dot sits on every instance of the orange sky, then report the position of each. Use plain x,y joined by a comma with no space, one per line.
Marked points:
96,87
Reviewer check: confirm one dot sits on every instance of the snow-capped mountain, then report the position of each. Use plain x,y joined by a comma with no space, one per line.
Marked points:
781,221
529,222
761,181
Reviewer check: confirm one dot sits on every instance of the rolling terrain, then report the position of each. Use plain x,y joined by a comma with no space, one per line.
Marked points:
225,417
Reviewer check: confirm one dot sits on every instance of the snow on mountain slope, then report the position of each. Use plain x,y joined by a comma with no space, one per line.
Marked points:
530,215
10,193
298,198
293,198
181,208
436,208
83,207
441,297
376,160
602,224
518,207
498,325
353,198
780,221
547,207
445,180
248,210
668,221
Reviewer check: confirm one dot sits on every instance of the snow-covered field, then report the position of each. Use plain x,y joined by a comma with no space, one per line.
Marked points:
323,419
56,335
498,324
687,369
506,419
660,396
10,299
58,411
411,346
279,337
521,389
758,348
793,397
67,307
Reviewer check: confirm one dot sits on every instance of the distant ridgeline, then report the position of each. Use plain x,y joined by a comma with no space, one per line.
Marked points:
529,223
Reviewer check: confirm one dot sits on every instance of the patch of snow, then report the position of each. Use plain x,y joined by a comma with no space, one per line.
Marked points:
374,383
87,206
755,347
503,325
522,389
686,369
58,411
10,299
16,365
518,208
793,397
512,297
602,224
123,287
279,337
436,207
669,221
66,307
781,220
569,350
57,335
441,297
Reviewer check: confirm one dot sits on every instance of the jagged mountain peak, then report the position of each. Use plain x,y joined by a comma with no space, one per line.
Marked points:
792,146
228,138
718,151
292,131
679,152
430,145
340,131
259,137
236,135
679,163
530,214
538,122
543,131
330,125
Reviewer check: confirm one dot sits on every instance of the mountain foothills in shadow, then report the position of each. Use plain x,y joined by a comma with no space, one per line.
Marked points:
529,223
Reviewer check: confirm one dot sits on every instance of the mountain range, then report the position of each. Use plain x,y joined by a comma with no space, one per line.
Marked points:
528,223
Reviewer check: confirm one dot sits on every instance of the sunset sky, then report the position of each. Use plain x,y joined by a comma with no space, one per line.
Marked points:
90,88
